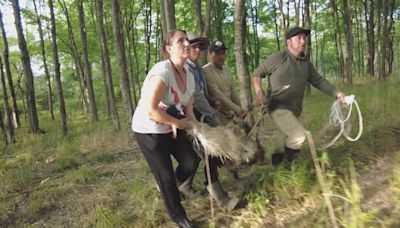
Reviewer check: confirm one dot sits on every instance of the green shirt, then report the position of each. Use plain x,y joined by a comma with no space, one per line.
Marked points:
221,87
288,77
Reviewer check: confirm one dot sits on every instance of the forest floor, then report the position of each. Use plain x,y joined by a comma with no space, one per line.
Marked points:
98,177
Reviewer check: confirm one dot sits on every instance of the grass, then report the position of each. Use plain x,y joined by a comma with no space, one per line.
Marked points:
98,178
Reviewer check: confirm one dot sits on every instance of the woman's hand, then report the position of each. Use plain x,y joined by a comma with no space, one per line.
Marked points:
183,124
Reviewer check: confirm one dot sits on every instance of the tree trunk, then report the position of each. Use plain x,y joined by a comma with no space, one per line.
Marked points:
86,63
16,120
54,48
203,26
26,63
106,66
77,60
282,18
307,25
383,41
390,51
46,68
256,39
147,33
370,26
240,52
119,44
297,9
358,34
278,43
169,13
349,43
338,38
219,16
8,127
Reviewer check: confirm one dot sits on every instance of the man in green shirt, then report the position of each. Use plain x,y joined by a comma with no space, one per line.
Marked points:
288,72
221,85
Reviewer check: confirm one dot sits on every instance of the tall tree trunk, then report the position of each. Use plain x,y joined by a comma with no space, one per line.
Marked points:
26,63
338,38
93,12
349,42
46,68
256,39
3,127
119,45
307,25
358,34
297,9
240,52
370,27
147,33
163,19
57,73
106,66
76,57
16,120
390,51
278,43
168,15
379,37
203,26
383,41
130,37
219,16
8,127
86,63
282,18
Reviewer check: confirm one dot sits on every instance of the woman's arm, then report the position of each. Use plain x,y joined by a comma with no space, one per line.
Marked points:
155,94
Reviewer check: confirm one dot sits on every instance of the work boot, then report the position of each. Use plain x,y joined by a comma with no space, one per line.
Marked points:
277,158
187,190
184,223
290,156
223,199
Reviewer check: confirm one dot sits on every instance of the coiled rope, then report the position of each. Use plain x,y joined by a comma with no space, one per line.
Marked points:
336,118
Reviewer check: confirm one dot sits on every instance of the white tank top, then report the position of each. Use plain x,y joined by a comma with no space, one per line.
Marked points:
141,121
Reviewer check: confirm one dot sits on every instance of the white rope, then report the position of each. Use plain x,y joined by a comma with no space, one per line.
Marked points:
336,118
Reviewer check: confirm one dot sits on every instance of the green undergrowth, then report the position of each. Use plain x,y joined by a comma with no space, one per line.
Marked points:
97,176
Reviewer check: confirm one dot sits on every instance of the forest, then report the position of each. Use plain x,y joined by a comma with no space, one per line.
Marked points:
71,73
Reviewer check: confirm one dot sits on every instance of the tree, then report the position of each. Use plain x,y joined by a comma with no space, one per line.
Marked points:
147,33
348,76
203,26
106,65
123,73
240,52
9,75
64,127
370,27
168,21
46,68
86,63
338,38
76,57
7,123
26,63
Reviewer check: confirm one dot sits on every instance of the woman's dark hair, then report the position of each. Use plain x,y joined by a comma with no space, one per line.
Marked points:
168,40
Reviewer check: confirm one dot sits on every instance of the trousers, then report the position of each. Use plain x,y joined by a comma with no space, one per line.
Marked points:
157,150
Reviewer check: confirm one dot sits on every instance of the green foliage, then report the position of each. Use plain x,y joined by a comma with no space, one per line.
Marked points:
84,175
104,217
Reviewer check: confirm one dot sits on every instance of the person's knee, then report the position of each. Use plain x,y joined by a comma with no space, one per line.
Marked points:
296,142
190,166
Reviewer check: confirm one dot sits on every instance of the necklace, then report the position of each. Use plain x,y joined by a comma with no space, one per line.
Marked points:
179,75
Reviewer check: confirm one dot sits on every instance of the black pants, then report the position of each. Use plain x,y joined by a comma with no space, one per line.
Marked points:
157,150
